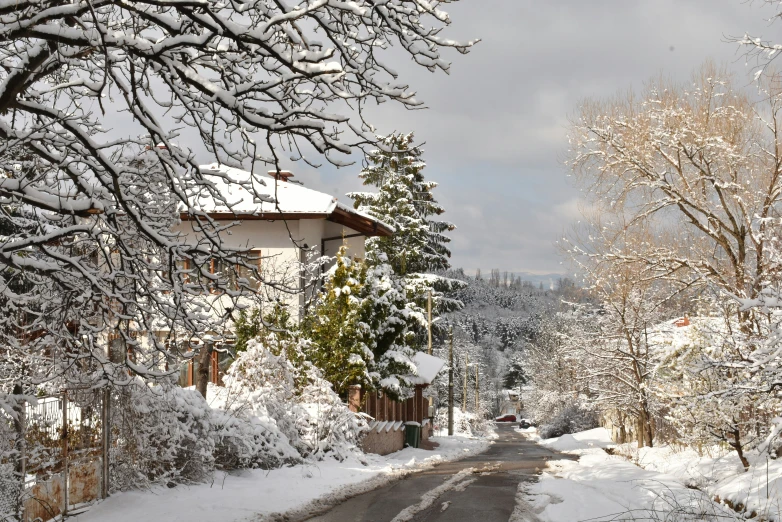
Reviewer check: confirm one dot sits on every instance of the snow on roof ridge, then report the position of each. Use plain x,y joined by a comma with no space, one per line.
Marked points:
285,197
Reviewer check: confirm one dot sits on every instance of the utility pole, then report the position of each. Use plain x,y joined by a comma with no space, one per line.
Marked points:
477,392
450,386
430,413
464,395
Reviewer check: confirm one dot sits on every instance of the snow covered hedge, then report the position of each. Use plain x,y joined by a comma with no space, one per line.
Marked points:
162,434
571,419
271,412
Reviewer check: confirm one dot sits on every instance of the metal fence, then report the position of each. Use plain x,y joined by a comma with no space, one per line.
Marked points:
63,460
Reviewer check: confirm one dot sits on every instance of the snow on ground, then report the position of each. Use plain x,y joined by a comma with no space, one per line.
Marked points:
256,494
719,473
601,487
596,438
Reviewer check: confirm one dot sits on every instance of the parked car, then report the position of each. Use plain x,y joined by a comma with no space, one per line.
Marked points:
506,418
526,423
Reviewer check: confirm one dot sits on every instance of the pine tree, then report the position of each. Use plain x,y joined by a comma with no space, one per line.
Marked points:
515,376
358,329
405,201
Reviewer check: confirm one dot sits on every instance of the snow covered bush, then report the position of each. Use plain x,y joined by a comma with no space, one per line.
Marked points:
464,423
331,429
161,436
271,384
261,384
243,440
573,418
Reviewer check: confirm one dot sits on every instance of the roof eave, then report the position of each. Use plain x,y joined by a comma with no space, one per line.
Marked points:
360,223
264,216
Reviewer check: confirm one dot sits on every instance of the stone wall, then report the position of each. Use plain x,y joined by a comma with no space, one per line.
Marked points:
384,438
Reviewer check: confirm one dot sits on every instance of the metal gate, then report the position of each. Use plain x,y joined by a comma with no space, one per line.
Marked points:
64,453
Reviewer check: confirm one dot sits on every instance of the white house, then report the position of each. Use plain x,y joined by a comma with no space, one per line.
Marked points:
510,402
271,215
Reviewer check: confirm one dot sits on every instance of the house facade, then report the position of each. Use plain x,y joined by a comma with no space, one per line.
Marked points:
284,226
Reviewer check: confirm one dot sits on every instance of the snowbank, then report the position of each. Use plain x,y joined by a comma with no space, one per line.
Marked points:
720,474
596,438
602,486
254,494
651,482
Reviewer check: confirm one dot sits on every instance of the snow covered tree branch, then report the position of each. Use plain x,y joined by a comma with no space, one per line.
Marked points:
94,96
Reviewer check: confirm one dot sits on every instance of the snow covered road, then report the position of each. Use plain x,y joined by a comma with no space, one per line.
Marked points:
260,495
482,487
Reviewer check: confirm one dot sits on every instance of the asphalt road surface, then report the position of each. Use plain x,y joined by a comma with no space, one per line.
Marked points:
480,488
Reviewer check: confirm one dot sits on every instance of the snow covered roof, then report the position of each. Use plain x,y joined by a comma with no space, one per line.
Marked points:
428,367
510,395
263,197
670,336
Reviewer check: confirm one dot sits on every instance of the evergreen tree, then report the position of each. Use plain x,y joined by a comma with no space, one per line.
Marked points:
255,325
515,376
405,201
358,330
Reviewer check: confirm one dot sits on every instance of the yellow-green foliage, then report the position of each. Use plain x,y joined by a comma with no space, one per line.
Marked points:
339,339
359,330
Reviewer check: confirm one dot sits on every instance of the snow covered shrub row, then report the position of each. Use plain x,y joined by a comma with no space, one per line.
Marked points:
162,434
573,418
272,381
271,412
464,423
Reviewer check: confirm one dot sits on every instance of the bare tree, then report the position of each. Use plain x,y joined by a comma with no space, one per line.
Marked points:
700,165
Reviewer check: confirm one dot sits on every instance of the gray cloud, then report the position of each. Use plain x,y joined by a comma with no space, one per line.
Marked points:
495,129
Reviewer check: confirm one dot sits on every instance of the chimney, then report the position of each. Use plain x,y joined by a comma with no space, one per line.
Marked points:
280,175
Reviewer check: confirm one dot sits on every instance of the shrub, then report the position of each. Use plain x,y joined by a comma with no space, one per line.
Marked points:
572,419
162,435
293,399
273,411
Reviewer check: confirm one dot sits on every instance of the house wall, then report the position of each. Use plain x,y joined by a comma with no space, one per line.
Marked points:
281,258
274,237
510,408
335,230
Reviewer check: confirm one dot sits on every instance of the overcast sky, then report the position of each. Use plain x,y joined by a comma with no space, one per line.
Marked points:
495,128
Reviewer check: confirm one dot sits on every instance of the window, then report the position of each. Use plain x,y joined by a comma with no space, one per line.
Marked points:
247,277
232,276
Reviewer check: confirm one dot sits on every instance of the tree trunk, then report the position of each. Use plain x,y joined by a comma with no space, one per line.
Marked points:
639,428
739,449
649,432
204,360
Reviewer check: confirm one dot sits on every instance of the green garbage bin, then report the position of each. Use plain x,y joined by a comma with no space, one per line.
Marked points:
412,434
